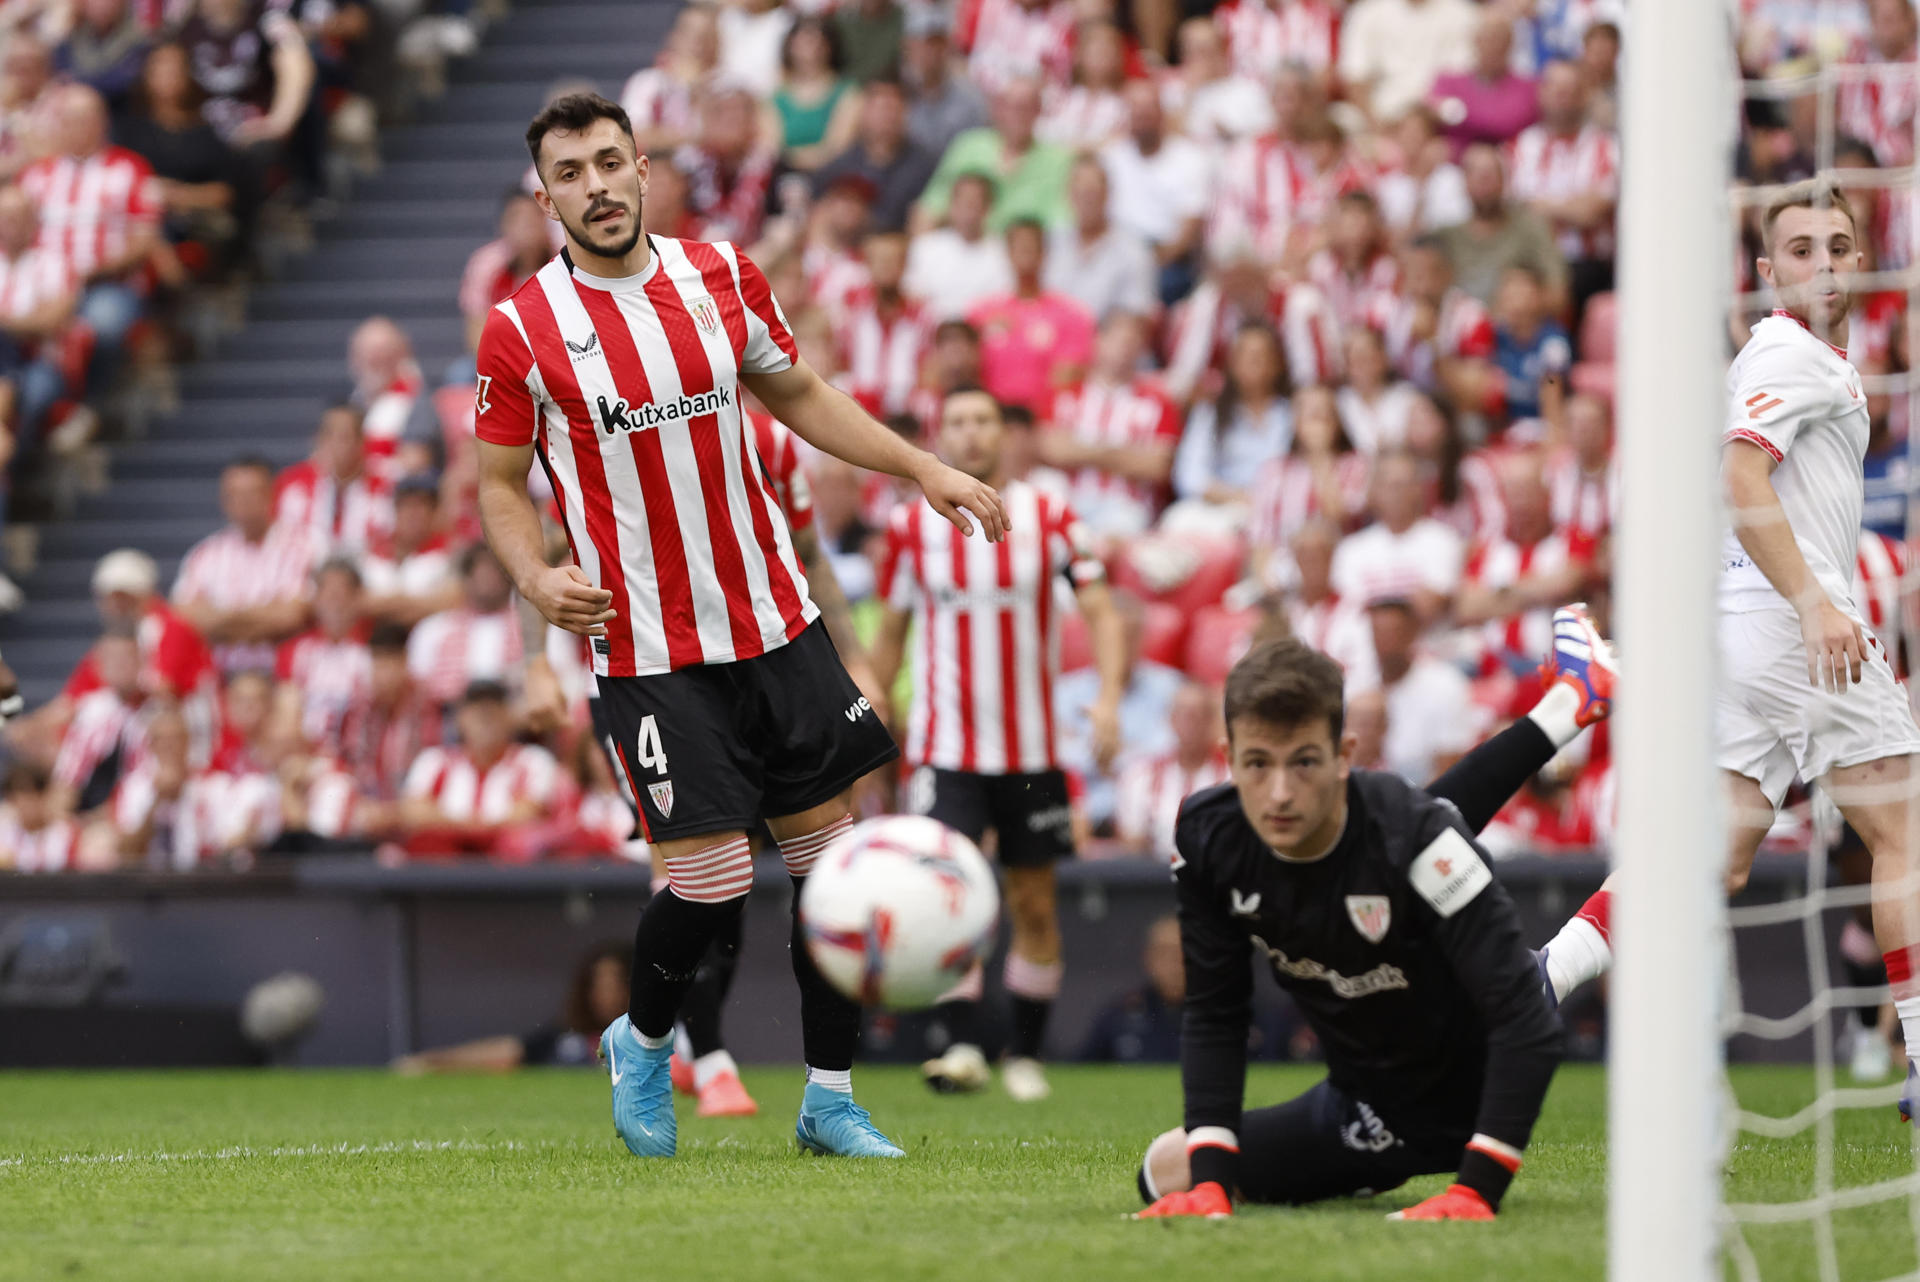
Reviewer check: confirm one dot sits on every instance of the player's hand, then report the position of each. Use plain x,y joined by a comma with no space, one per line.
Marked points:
1103,720
955,495
1836,648
567,600
1458,1203
1207,1201
546,703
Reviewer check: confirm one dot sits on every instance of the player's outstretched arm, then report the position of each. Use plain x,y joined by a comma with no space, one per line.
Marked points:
1478,930
831,420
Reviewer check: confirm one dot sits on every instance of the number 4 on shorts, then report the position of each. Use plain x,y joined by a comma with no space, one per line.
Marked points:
649,751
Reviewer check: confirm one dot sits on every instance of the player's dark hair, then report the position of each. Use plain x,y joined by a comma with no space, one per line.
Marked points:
973,389
389,637
836,54
956,329
1287,683
1017,416
579,1013
573,113
483,692
1814,193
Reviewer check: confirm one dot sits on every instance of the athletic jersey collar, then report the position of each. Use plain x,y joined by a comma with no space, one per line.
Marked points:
615,284
1841,352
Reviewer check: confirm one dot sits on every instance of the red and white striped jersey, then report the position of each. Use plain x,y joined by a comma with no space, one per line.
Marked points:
227,572
333,678
1879,572
1582,502
102,724
379,745
835,278
1285,495
1138,412
1262,35
350,518
779,451
1502,563
89,209
630,391
1204,325
54,848
988,643
32,279
1269,188
383,423
418,574
1356,298
1463,330
1338,627
1549,166
656,99
215,814
1083,118
466,793
333,801
1879,109
1148,793
1007,41
883,353
450,650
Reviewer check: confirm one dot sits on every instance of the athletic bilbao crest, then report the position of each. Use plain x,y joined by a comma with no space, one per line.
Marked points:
1370,915
705,314
662,794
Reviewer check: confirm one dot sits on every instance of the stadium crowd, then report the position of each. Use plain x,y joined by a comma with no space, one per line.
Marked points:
1305,306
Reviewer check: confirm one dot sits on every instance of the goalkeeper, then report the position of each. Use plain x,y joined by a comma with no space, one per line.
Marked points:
1380,917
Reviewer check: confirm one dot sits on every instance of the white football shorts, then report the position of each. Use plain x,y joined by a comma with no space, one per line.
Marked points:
1771,724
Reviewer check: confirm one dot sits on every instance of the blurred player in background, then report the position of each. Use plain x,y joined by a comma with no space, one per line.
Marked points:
1807,688
1380,917
981,735
623,362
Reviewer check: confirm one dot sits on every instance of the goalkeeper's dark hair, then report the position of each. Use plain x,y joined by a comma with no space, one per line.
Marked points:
573,113
1289,684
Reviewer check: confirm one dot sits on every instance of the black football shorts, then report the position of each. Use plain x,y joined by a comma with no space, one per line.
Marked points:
1326,1144
717,747
1030,815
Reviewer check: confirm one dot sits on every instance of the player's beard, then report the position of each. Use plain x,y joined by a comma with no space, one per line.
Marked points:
619,249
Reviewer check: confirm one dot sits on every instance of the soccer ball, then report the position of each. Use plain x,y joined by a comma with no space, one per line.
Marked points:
898,910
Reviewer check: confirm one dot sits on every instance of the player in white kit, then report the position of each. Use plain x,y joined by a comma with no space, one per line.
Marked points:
1806,689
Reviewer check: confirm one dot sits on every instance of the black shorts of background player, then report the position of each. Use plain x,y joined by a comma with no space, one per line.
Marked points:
1379,915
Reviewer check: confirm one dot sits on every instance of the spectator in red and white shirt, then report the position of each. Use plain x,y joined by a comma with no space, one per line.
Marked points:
1333,624
326,673
38,294
1356,273
1440,337
1241,292
662,101
107,736
168,815
1011,40
27,90
413,573
1115,434
468,798
383,736
1567,170
1583,478
1265,34
247,587
834,268
1033,342
329,494
32,837
1513,583
386,386
1209,99
1150,789
503,264
884,333
1404,555
100,209
1261,202
730,169
1321,475
246,724
1090,112
478,640
1376,406
1880,108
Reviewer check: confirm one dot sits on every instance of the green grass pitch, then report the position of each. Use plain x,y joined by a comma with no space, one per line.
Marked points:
360,1175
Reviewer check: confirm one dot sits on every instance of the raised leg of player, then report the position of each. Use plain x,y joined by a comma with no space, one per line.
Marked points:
1032,976
962,1067
830,1122
1874,797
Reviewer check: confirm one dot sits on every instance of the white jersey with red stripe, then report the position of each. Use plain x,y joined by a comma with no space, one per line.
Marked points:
90,208
1083,118
1356,297
629,389
384,417
1798,398
1262,35
214,814
466,793
1338,627
1501,563
228,572
451,650
53,848
1879,108
988,630
1205,323
1582,502
883,352
1286,495
655,99
1007,41
1135,413
350,518
834,278
334,678
779,450
1463,330
1555,167
31,280
1148,794
103,723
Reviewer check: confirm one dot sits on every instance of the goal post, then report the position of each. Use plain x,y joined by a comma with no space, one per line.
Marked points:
1665,1104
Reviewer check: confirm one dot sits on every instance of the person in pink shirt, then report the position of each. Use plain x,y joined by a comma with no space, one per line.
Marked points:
1033,342
1488,103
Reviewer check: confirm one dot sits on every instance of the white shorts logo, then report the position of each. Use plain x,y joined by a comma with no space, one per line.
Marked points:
1370,915
662,794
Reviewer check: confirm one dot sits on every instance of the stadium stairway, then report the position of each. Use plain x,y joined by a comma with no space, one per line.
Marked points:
396,249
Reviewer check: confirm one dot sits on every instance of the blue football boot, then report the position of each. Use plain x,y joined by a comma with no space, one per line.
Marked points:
642,1090
832,1125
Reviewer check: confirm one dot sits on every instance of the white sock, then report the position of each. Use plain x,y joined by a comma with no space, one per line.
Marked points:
654,1043
834,1079
1908,1009
711,1065
1555,714
682,1044
1577,954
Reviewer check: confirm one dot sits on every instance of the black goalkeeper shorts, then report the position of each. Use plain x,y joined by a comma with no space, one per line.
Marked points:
717,747
1327,1144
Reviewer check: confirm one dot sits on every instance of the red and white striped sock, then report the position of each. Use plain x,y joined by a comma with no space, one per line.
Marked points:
1583,949
713,874
801,852
1902,963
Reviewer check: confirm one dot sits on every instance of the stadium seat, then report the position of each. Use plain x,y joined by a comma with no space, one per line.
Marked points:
1164,638
1213,567
1593,376
1216,640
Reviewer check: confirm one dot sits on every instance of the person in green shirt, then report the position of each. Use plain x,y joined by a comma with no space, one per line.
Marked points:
1030,176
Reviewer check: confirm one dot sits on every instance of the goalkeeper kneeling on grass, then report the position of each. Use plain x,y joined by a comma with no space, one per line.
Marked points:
1380,917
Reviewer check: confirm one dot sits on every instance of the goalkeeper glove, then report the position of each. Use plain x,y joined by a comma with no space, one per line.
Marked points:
1458,1203
1208,1200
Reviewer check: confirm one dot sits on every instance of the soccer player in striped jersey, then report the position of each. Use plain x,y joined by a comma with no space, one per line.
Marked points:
622,363
1806,690
981,736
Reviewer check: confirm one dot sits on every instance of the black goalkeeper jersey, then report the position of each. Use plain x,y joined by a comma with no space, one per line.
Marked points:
1400,948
